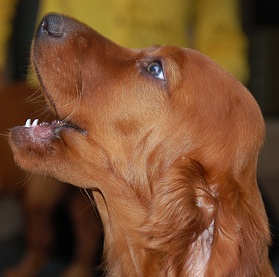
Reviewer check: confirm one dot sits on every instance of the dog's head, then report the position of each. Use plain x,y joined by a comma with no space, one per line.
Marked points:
169,138
142,108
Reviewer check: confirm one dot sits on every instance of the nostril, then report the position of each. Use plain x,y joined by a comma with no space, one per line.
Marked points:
53,25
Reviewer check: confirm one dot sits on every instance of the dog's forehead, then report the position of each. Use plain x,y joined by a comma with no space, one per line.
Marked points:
166,52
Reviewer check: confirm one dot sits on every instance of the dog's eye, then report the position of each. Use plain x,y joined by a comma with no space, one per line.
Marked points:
156,69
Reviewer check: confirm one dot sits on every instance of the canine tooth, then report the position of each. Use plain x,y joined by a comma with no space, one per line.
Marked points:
28,123
35,122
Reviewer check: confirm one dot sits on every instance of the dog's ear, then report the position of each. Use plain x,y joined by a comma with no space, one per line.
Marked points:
241,232
205,222
182,208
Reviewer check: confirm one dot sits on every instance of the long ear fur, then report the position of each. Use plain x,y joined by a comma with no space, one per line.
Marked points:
177,219
204,229
241,235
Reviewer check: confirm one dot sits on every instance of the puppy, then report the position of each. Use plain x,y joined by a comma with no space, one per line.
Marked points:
167,140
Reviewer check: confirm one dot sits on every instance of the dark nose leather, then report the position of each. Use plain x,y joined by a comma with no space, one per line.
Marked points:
52,25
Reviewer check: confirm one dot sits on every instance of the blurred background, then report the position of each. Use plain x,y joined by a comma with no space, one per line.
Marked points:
261,25
243,36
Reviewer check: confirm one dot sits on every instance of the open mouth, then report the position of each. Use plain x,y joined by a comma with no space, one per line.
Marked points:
46,129
41,134
36,137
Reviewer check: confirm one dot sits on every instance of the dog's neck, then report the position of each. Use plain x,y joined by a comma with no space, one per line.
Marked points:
123,242
126,251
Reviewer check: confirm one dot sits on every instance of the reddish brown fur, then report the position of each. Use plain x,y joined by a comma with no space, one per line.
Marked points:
172,162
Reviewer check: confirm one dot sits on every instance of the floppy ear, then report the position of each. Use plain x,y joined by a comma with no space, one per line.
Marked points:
241,235
204,228
182,208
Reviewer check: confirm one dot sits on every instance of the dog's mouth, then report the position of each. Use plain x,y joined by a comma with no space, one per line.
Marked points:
42,134
44,129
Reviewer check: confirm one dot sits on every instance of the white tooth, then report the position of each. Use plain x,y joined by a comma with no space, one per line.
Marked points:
35,122
28,123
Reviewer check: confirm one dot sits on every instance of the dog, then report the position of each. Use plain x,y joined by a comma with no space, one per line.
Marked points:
166,140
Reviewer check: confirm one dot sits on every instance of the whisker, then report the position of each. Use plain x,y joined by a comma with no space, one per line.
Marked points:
36,97
75,102
25,181
92,202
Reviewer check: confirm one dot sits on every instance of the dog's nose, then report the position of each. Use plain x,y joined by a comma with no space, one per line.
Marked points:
52,25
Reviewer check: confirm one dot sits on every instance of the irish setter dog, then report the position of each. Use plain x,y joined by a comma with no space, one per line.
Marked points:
167,141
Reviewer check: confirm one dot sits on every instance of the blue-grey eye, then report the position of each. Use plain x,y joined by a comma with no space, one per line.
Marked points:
156,69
